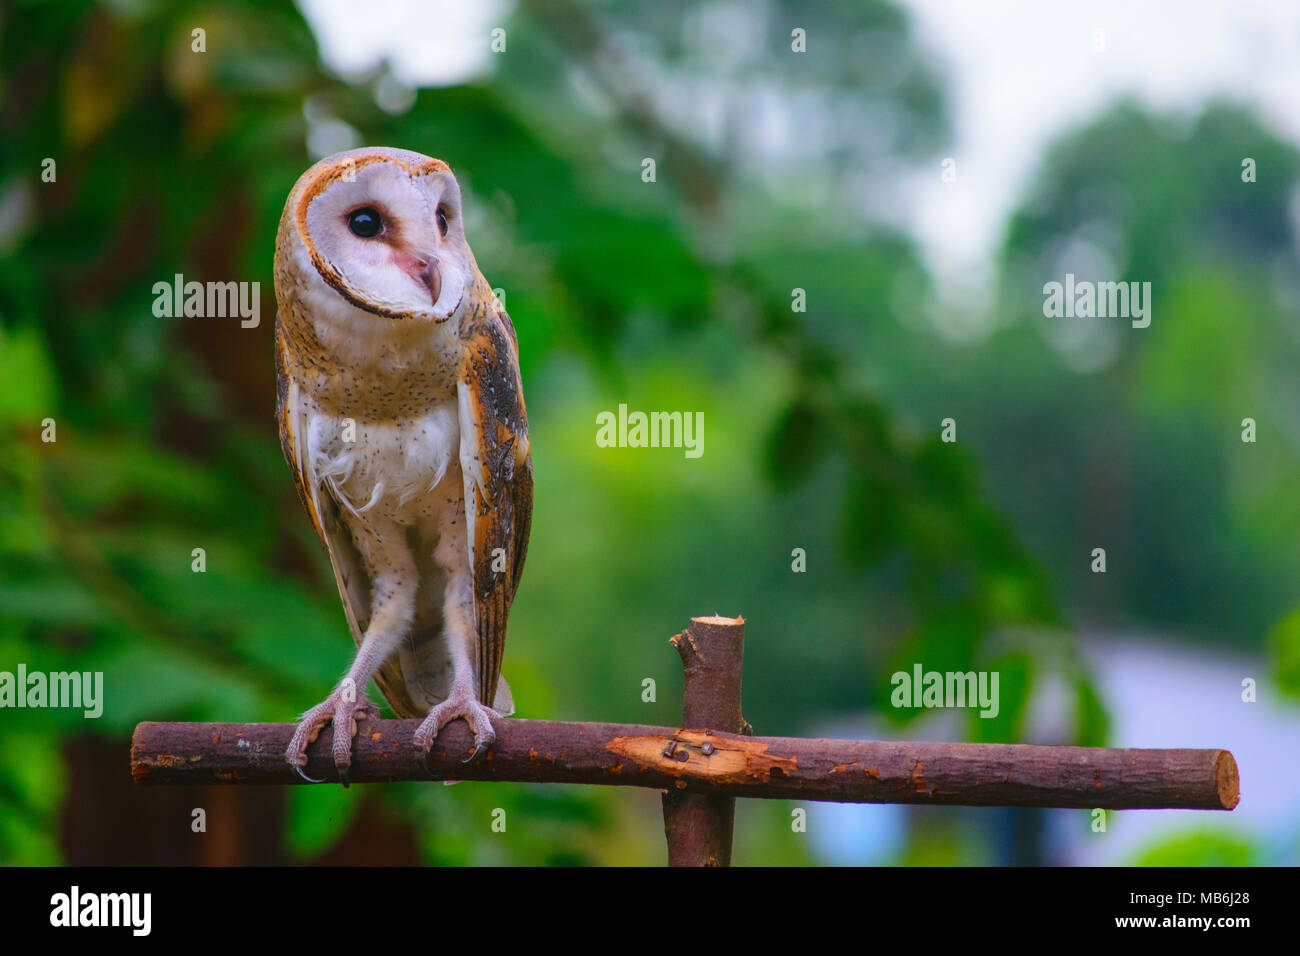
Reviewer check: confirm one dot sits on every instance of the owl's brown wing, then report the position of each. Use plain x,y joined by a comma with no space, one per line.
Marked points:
349,570
498,473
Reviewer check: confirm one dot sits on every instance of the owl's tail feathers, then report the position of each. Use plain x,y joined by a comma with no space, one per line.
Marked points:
423,669
504,704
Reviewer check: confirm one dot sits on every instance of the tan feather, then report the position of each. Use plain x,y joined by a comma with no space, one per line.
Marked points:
498,468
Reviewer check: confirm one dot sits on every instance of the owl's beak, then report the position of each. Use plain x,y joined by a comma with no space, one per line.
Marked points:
432,279
423,269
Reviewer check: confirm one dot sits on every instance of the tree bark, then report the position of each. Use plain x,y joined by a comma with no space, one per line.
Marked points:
717,764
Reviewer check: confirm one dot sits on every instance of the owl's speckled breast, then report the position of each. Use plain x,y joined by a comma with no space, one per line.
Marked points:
378,394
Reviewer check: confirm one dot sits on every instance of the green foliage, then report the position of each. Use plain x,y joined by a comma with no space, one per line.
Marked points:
820,425
1200,847
1145,424
318,817
1284,649
171,162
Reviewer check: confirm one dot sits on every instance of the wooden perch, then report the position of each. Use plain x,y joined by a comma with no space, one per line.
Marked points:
702,771
700,761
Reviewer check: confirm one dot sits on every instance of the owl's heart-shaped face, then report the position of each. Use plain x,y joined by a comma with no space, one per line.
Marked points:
386,233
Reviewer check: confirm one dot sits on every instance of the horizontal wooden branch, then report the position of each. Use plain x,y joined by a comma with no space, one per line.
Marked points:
792,768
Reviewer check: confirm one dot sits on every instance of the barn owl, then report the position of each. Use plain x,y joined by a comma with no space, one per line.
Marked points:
401,415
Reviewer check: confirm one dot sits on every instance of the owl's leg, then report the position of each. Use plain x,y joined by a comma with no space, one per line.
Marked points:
462,637
393,607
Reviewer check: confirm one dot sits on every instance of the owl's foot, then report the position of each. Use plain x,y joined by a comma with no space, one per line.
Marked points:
344,708
462,703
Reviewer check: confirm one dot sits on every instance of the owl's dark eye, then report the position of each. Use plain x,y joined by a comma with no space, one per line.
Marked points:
442,221
365,222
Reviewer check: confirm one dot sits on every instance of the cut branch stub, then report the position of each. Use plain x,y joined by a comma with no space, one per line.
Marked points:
699,827
712,651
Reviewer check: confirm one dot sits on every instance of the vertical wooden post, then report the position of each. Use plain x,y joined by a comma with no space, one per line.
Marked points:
699,827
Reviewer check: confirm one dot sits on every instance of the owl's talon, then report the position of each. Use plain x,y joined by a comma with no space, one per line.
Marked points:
343,711
302,773
464,705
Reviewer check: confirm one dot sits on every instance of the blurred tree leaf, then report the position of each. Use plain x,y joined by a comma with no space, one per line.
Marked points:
796,444
1284,651
1200,847
22,359
318,817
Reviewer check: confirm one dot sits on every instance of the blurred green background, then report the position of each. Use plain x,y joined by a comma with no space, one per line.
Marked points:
821,426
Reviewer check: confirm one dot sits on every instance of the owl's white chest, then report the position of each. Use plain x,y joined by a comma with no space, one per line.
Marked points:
393,469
